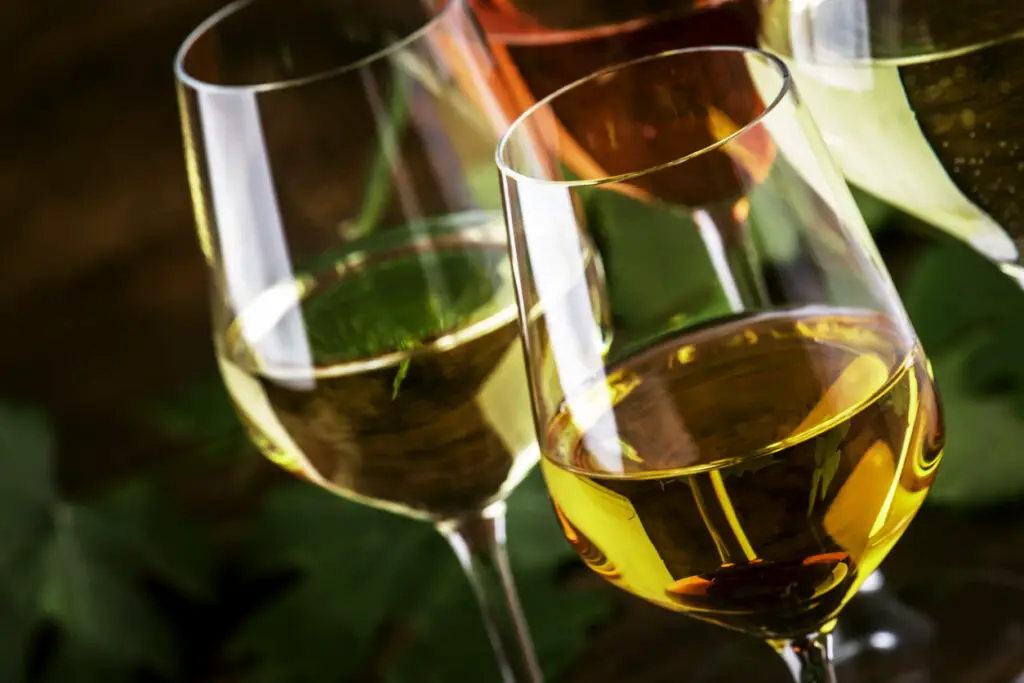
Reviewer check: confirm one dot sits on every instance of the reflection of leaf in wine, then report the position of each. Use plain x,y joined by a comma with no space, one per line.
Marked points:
403,370
899,399
827,457
751,465
397,305
378,178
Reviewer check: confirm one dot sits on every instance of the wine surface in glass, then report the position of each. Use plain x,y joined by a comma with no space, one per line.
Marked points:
392,374
542,46
934,89
752,472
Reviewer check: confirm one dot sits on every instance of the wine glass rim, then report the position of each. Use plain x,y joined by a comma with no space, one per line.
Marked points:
503,145
200,85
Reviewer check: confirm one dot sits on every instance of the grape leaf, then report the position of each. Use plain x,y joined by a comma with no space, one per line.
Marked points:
877,214
970,318
26,499
983,460
201,413
953,291
356,565
90,590
659,275
379,190
827,456
169,546
81,568
452,645
361,569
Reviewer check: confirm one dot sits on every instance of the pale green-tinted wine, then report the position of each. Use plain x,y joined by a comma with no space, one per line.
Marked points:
393,375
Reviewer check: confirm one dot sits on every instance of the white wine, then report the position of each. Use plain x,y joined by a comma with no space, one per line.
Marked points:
920,102
394,373
751,472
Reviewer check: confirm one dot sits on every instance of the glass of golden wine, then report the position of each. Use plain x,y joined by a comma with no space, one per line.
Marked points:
735,418
342,172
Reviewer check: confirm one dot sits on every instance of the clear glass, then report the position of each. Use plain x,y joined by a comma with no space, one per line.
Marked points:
341,165
540,46
736,420
932,87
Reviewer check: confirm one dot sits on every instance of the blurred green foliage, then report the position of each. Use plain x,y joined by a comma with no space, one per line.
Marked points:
75,577
361,571
970,319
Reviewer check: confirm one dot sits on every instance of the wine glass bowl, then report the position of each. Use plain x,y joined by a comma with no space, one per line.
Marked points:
747,424
933,88
360,267
341,163
540,46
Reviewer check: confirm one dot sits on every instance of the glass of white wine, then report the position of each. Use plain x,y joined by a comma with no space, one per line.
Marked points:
726,433
921,103
934,88
342,171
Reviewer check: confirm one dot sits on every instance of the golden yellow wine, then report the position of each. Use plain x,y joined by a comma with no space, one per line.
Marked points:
753,472
393,375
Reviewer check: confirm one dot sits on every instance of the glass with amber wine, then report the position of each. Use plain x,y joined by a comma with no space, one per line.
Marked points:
363,304
735,417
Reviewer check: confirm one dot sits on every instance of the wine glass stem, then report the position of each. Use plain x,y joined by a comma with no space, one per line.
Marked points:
479,542
810,658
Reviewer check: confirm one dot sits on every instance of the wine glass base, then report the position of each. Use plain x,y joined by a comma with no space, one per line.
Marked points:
967,630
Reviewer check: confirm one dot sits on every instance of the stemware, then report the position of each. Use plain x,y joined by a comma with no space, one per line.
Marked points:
931,87
735,417
341,166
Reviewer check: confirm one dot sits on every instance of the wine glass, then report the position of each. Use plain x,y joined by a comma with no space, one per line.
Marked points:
542,46
342,174
934,88
736,420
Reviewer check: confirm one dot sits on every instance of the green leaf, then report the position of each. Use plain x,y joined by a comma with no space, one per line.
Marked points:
877,212
73,663
403,370
970,318
202,412
659,275
26,500
378,192
453,646
167,544
17,626
827,456
398,303
91,591
953,291
80,568
982,462
356,566
361,569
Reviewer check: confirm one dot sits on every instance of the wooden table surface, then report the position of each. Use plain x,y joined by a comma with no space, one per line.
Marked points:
103,303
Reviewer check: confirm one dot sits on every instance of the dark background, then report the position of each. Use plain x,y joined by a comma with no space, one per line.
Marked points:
103,310
103,291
